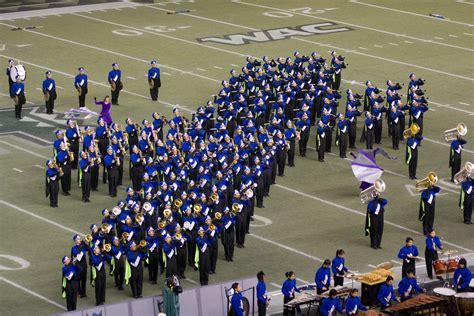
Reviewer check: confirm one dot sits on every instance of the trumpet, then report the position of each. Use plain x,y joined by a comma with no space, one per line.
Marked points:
235,208
60,170
412,131
212,227
197,208
139,218
464,173
107,247
214,197
218,216
372,191
167,213
177,236
143,243
104,228
453,133
125,236
430,180
177,203
87,238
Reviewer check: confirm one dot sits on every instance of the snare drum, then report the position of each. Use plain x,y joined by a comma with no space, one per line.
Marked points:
440,267
445,292
18,70
452,264
465,303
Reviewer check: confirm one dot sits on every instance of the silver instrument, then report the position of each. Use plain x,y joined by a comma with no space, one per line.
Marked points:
453,133
464,173
372,191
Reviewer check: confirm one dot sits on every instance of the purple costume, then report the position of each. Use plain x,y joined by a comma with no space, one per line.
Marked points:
105,112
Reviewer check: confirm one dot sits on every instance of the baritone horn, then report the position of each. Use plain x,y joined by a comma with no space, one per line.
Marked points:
453,133
464,173
372,191
430,180
412,131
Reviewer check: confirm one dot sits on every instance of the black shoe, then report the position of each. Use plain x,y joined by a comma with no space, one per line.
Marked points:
251,219
139,296
231,260
379,247
87,200
52,205
82,295
373,247
120,288
468,222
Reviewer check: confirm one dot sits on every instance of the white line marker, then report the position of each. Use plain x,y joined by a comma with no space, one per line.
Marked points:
363,48
397,262
394,44
303,281
468,34
38,166
133,78
217,67
379,46
372,266
438,38
451,35
25,150
276,285
408,42
200,69
165,73
183,27
463,103
191,281
40,217
464,2
33,293
18,170
59,87
39,89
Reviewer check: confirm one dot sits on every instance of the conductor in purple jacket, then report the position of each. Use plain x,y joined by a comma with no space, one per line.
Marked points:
105,111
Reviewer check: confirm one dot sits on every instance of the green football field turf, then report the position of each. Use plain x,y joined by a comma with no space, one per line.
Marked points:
313,210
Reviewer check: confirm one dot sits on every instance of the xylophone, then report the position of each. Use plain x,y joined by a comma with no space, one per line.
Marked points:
422,304
310,298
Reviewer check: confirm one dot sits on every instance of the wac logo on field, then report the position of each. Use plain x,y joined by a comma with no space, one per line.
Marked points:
277,34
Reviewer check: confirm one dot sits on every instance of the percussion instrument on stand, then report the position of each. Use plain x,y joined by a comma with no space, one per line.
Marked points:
449,295
465,303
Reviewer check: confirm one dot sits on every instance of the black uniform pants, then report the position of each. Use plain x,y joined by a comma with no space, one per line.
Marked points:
291,153
74,148
115,93
19,101
136,280
204,266
228,242
113,180
82,277
82,96
86,185
430,257
395,135
66,178
321,147
376,229
119,272
413,163
342,145
455,165
153,265
281,160
50,104
369,140
378,131
53,192
181,258
259,190
99,286
338,280
171,266
240,226
428,219
94,177
155,89
352,134
304,141
467,207
214,253
71,295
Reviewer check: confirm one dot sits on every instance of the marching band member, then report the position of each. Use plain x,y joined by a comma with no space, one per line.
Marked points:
341,134
465,199
395,116
455,156
49,91
111,163
11,64
202,257
96,160
63,160
408,286
353,304
303,127
115,81
386,295
80,83
375,220
291,135
105,110
412,154
262,298
69,286
288,289
370,122
331,304
169,250
118,254
181,251
321,140
53,173
98,281
85,165
433,243
408,254
228,222
322,277
153,243
427,208
73,137
154,80
134,269
462,277
18,92
236,303
338,267
78,254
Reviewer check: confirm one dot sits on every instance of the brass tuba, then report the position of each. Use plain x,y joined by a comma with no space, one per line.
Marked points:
412,131
453,133
464,173
430,180
372,191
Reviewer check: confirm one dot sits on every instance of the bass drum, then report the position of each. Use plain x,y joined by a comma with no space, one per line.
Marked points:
246,304
465,303
18,70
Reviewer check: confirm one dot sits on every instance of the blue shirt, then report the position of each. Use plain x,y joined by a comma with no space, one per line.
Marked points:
406,285
262,292
80,80
154,73
353,304
49,85
115,75
406,251
322,277
386,295
237,305
289,288
18,88
337,266
462,278
330,305
433,242
377,206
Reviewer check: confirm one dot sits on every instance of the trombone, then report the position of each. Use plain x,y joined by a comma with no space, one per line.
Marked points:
412,131
430,180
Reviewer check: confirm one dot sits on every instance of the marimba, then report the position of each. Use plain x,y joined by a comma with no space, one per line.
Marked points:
422,304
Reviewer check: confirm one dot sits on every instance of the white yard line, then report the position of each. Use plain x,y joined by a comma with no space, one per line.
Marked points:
200,69
354,25
408,12
18,170
41,167
132,78
468,34
379,46
32,293
234,65
394,44
438,38
408,42
363,48
451,35
23,149
217,67
464,2
463,103
165,73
